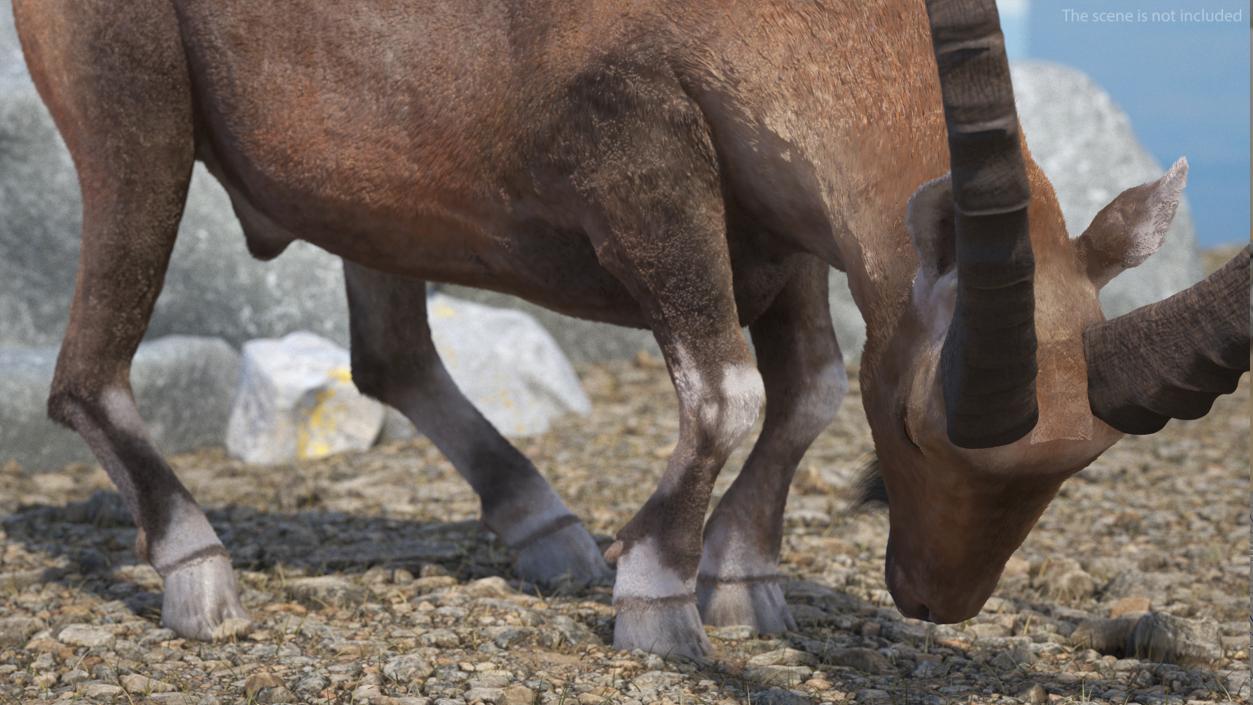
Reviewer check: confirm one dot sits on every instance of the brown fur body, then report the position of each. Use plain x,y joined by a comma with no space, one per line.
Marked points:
689,167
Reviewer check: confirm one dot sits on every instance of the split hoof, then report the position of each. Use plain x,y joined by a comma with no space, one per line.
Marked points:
202,601
668,627
567,557
753,602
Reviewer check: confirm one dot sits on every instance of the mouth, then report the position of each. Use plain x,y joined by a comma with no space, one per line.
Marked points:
913,606
906,601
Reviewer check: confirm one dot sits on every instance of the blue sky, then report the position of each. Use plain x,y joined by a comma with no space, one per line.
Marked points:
1183,80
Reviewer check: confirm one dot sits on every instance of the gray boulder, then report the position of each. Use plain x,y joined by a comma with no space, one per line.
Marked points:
214,287
506,363
583,341
184,387
1086,146
296,401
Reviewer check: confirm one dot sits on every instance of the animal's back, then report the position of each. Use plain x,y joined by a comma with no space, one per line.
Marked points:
406,132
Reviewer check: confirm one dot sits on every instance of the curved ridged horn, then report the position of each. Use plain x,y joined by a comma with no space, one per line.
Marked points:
988,364
1173,358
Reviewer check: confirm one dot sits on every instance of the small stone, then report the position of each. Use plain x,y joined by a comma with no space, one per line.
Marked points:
784,657
1108,636
864,660
517,695
1035,695
989,630
407,668
260,681
490,678
1130,605
101,690
46,679
85,635
1073,585
487,695
1016,567
136,684
443,638
494,586
431,583
311,684
325,590
779,675
14,631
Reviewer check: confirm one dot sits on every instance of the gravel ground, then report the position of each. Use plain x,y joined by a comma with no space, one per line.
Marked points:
370,581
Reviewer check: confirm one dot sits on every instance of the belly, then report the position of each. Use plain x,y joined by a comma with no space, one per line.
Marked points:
361,143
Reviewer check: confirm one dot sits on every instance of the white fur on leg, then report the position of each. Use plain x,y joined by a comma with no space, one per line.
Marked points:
202,600
728,412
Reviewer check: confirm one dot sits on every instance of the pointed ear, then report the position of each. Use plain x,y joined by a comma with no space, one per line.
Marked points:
929,219
1132,227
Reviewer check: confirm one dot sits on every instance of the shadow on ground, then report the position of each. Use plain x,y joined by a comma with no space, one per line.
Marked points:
905,661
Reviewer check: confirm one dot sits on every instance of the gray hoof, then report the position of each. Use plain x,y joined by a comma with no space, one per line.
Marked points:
202,601
566,557
667,627
753,602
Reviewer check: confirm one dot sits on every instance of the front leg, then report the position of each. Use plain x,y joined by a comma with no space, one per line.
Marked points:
720,393
800,362
659,226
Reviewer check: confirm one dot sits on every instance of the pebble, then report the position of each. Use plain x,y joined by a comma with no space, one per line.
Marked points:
407,668
1035,695
143,685
784,657
86,635
864,660
101,690
1130,605
14,631
517,695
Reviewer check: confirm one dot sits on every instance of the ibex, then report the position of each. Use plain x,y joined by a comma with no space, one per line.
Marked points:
686,166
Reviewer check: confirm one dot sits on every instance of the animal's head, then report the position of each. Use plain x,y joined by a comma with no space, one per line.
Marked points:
1002,378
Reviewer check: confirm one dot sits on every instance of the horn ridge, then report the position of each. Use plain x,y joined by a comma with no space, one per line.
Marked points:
1171,359
988,363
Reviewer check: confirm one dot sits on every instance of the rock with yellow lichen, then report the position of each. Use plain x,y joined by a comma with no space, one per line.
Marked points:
297,401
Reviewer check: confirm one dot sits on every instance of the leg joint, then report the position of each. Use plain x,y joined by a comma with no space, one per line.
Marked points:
818,401
724,415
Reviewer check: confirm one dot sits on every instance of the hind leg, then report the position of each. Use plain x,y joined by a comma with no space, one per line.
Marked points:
801,367
394,361
124,108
